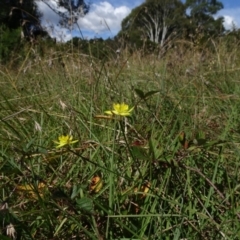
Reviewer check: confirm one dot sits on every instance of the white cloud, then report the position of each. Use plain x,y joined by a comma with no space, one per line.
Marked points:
229,22
105,15
50,21
231,16
102,17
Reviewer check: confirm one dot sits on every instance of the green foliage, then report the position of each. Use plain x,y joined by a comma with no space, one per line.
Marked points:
85,204
97,48
203,7
169,171
153,20
11,12
12,15
202,20
162,21
10,41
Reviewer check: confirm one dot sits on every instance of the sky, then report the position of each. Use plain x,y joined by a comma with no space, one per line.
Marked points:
105,17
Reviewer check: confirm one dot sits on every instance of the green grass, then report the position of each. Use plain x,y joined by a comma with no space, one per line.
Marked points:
170,171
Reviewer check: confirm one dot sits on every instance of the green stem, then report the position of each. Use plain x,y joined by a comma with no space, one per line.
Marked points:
111,182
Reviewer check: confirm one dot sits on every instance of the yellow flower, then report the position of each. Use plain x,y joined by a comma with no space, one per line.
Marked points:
96,184
64,140
120,109
31,191
145,189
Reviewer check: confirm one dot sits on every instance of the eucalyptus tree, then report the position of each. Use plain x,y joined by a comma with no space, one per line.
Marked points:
200,7
156,20
201,16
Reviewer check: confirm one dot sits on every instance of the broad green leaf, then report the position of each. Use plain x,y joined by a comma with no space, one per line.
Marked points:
139,153
155,149
85,204
140,93
150,93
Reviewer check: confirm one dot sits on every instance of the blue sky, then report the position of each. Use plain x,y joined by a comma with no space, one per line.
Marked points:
108,14
231,13
231,3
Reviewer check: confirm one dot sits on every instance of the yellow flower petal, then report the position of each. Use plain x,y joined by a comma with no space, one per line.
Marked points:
96,184
31,191
109,112
64,140
120,109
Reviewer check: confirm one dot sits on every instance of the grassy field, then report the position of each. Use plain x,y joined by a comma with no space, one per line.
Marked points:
168,171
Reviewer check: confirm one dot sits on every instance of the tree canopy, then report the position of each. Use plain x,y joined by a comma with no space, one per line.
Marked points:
12,12
162,20
200,7
155,20
201,16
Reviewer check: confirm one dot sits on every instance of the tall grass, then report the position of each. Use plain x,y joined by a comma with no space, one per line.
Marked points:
170,171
